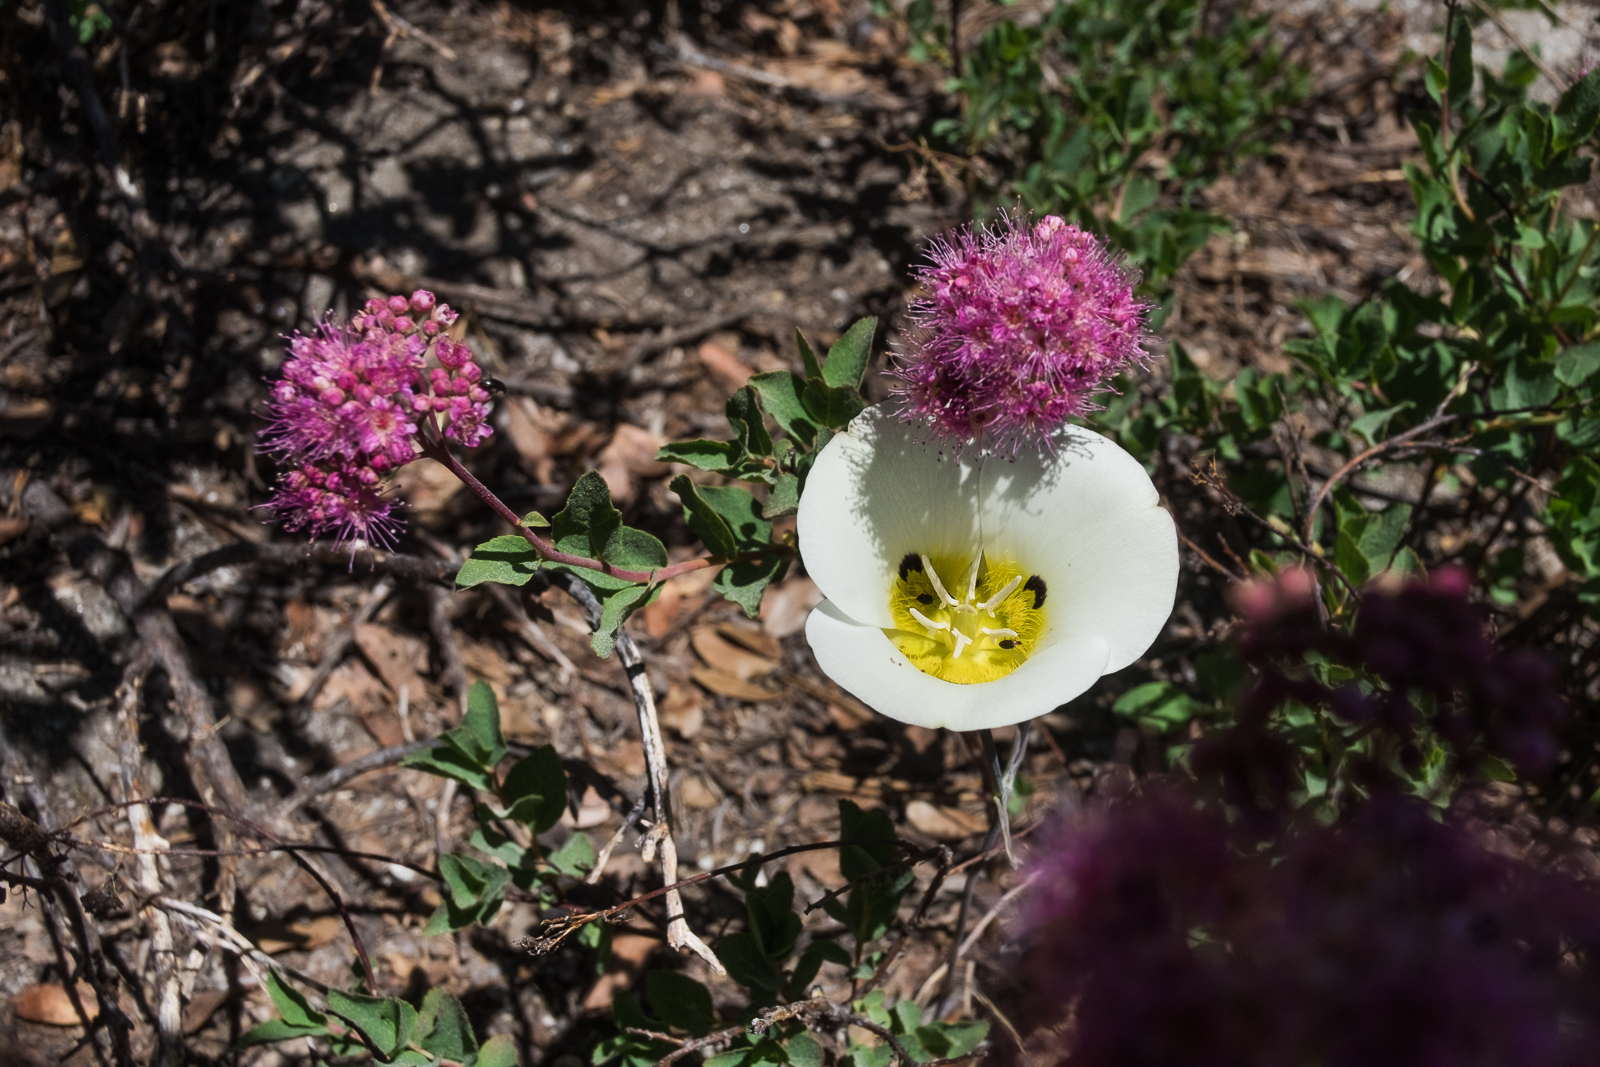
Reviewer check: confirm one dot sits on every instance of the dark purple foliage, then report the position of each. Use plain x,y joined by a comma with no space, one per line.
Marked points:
1163,936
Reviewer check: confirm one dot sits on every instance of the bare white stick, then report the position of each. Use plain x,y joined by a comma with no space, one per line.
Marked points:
679,936
146,839
659,838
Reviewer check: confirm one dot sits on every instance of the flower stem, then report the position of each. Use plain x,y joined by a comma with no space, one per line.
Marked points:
434,448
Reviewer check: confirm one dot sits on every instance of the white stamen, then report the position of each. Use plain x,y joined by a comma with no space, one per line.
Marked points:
929,623
962,641
938,586
1000,597
970,579
998,631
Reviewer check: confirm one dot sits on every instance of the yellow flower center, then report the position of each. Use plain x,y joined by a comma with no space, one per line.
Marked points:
976,628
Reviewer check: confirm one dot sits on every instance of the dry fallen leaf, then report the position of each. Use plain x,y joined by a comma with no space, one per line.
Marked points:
682,712
784,606
731,685
696,794
685,591
427,485
849,715
751,636
353,682
48,1003
396,657
725,367
201,1007
531,429
628,954
486,662
943,824
592,810
630,455
723,655
279,935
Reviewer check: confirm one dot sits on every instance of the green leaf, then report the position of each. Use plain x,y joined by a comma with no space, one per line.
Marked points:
1496,769
772,918
479,733
508,559
1435,80
832,406
1372,424
575,856
872,1055
614,611
831,951
680,1001
1576,363
1578,111
745,580
498,1051
808,358
741,954
1524,383
635,550
782,498
780,394
278,1030
385,1022
535,789
703,519
803,1050
1461,61
447,761
535,520
470,751
590,525
472,883
739,509
847,359
443,1027
1367,543
292,1005
858,861
584,527
744,415
1158,705
716,456
947,1040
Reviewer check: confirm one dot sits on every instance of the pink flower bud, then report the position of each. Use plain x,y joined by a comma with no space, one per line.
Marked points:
422,301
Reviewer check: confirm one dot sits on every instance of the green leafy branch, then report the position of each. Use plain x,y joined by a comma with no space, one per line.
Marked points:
391,1030
526,802
625,567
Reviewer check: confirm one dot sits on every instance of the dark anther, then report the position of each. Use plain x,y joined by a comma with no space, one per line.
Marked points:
911,562
1035,585
924,598
1008,644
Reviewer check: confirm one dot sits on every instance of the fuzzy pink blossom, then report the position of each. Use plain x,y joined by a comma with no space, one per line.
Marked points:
1019,327
352,406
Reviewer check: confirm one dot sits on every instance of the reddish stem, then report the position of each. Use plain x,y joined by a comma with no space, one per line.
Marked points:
435,448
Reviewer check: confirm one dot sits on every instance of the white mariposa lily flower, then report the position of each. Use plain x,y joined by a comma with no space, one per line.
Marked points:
978,591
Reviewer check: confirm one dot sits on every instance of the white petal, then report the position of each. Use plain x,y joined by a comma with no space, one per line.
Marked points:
1090,523
863,660
875,494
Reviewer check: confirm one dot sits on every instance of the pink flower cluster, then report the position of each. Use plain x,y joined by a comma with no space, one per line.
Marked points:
1018,328
351,405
